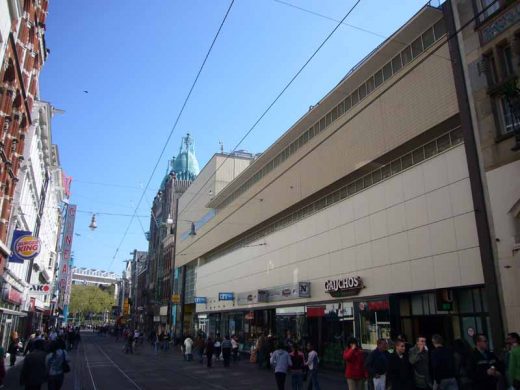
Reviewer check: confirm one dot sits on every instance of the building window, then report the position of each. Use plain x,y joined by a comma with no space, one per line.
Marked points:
509,115
406,55
428,38
493,5
506,60
490,68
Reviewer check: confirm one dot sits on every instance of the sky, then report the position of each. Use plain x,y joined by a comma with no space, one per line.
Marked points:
121,70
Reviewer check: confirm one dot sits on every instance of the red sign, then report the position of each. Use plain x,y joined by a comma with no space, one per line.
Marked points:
14,296
378,305
318,311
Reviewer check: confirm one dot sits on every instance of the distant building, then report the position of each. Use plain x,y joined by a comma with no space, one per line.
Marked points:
94,277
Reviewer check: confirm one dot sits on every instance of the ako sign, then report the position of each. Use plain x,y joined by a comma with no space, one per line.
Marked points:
40,289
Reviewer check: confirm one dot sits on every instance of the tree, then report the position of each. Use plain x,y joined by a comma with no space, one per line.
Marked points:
89,299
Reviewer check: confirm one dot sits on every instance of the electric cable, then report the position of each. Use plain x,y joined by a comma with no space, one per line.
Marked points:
448,38
264,113
172,130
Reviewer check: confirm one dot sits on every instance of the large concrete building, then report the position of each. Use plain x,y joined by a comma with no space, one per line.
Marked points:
359,220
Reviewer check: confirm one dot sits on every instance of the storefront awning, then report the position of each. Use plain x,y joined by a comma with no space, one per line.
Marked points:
13,312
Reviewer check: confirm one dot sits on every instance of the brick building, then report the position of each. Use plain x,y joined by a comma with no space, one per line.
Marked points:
23,55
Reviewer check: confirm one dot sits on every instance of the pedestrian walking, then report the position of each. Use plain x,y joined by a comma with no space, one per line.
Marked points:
400,371
188,344
217,346
485,368
129,345
34,369
420,361
261,347
57,365
312,363
461,355
443,365
513,362
13,348
226,350
281,362
198,349
2,366
377,364
297,367
210,350
355,371
234,348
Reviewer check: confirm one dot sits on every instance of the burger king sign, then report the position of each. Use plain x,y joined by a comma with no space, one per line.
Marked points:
24,246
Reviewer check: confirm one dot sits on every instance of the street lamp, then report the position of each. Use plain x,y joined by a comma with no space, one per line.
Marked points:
93,224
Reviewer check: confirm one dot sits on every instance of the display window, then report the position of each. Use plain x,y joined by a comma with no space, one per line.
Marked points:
374,322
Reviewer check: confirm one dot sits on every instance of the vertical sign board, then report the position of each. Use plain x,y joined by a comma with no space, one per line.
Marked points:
65,278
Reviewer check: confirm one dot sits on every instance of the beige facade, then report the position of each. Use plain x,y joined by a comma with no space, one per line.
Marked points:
491,58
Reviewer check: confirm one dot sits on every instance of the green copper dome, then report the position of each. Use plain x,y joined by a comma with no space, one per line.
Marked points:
185,166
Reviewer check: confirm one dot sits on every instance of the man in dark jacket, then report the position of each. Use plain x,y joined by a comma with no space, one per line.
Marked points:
34,370
377,364
400,371
443,365
210,349
485,368
420,362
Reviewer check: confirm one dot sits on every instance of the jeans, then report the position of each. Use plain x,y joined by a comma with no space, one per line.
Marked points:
297,380
313,380
280,380
55,382
226,354
380,383
448,384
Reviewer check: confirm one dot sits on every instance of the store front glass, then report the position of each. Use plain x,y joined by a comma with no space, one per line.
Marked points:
338,327
290,323
373,321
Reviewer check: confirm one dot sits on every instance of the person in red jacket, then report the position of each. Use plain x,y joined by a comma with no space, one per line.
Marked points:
355,371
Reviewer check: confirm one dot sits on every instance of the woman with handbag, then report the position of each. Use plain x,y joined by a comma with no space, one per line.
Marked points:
57,365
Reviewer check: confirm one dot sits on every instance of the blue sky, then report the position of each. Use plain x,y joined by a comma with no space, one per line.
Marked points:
137,61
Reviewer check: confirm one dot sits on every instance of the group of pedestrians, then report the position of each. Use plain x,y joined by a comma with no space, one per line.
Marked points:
415,367
225,349
46,362
300,367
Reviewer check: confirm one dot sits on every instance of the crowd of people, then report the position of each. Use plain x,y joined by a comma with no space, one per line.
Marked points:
45,357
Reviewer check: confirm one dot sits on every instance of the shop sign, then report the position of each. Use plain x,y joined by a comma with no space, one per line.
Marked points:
344,287
176,298
250,297
290,291
24,246
225,296
201,300
40,288
316,311
12,295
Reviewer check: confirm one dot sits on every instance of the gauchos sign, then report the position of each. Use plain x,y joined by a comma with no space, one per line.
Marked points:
344,287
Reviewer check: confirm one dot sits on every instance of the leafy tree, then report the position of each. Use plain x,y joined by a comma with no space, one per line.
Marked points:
90,299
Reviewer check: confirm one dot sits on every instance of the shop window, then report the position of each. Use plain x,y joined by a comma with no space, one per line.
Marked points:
465,301
374,322
405,309
417,305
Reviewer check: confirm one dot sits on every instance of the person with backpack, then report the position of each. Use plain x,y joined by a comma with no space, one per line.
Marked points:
312,363
297,367
355,371
57,365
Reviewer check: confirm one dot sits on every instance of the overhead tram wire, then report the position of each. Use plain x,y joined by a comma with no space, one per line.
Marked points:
340,22
350,25
172,130
448,38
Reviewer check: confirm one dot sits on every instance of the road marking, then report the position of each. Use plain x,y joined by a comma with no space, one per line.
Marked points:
119,368
89,371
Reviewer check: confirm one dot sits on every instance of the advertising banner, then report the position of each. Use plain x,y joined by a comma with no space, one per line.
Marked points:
65,266
24,246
